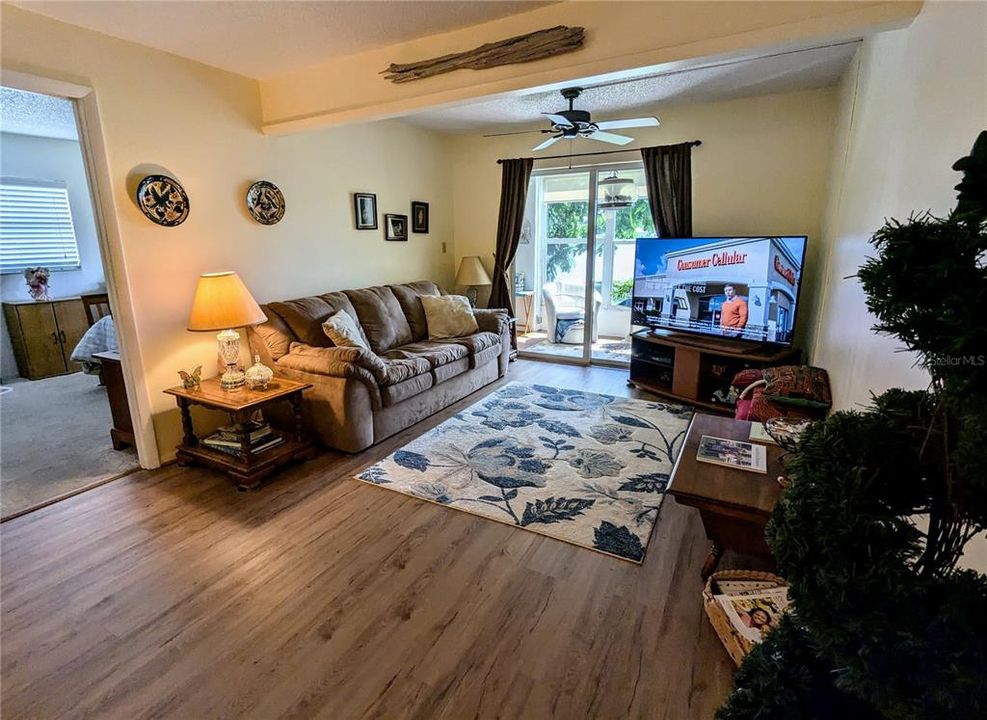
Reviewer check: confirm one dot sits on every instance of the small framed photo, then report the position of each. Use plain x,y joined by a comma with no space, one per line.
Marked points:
395,227
419,217
365,211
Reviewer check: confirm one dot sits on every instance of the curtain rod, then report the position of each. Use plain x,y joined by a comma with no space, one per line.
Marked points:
694,143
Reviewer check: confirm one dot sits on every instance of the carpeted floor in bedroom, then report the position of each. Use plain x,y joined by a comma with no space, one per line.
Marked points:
55,440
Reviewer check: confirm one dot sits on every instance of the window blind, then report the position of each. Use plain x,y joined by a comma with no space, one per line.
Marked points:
36,226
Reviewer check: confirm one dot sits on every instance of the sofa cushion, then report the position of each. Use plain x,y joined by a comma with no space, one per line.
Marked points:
397,370
448,316
437,354
381,317
343,331
408,296
334,361
485,356
274,335
495,321
478,342
305,316
451,370
393,394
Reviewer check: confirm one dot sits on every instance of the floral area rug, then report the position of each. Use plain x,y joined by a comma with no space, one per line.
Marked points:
580,467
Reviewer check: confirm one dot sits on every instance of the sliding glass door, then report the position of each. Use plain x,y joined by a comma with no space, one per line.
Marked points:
571,309
553,265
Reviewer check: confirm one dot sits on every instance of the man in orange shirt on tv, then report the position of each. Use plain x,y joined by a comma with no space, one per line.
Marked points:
733,313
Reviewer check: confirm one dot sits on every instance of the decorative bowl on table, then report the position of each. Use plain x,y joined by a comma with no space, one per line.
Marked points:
787,431
258,375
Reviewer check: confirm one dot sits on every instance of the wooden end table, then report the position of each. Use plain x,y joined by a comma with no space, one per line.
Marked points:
734,504
249,468
526,299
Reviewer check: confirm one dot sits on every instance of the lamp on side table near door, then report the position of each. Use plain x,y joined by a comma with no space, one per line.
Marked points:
222,302
471,273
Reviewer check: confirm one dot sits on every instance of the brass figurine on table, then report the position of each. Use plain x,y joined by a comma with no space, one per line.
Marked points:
191,380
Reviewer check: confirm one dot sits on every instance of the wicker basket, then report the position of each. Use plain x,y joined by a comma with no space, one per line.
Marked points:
737,645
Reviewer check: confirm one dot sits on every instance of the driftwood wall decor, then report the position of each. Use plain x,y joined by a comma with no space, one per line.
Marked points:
522,48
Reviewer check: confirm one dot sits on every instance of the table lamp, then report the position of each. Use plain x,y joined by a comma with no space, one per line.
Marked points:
222,302
471,273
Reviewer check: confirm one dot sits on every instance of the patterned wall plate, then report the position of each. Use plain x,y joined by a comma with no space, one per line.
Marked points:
265,202
163,200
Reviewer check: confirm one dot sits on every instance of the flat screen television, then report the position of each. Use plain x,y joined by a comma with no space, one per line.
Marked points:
729,287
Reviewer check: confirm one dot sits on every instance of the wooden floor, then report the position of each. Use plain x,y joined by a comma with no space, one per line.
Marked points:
166,594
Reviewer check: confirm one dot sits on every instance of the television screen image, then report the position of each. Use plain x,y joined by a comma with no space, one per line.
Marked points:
734,287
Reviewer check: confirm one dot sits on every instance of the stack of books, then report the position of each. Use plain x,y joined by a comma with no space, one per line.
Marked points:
227,439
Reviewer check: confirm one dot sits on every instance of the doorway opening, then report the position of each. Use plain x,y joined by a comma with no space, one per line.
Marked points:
65,422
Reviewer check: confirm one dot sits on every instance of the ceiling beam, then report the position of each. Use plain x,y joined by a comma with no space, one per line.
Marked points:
621,38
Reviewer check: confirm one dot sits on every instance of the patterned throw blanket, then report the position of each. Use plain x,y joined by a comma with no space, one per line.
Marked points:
101,337
563,326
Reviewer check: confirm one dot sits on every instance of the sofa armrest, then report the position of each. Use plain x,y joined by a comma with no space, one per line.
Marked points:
497,321
339,411
341,362
494,321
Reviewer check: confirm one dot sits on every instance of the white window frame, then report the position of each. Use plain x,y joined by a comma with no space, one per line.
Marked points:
36,213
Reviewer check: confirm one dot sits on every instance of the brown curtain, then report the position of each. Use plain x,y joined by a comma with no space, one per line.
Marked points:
513,193
668,172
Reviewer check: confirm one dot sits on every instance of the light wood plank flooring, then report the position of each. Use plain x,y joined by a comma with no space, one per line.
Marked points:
166,594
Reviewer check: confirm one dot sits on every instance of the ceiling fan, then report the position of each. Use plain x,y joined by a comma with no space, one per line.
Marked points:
571,124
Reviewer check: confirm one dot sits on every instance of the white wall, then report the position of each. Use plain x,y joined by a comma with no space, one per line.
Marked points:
913,106
202,125
38,158
762,169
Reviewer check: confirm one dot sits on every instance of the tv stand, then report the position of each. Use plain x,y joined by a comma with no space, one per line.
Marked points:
727,346
691,368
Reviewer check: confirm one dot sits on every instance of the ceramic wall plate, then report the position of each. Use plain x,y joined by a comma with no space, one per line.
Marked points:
163,200
265,202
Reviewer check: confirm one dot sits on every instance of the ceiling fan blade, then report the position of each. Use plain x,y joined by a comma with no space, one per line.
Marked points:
559,120
611,138
548,143
628,123
516,132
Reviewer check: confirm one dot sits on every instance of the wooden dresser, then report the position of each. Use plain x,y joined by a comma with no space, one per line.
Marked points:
43,335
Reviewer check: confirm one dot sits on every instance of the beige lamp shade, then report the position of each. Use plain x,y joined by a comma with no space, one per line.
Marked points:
471,272
222,302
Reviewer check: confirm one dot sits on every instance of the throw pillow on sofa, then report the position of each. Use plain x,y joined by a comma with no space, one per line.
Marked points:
342,330
448,316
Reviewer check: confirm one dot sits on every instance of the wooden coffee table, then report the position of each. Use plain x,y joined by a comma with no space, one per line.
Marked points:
734,504
250,468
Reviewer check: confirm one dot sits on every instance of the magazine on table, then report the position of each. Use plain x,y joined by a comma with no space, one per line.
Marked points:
743,587
754,614
733,453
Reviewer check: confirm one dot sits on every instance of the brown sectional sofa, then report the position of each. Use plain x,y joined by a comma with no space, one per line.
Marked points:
361,397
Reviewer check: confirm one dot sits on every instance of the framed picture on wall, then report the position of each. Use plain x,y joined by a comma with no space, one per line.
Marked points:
419,217
365,211
395,227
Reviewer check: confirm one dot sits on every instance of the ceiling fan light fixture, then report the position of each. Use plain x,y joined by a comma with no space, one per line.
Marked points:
572,123
615,192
